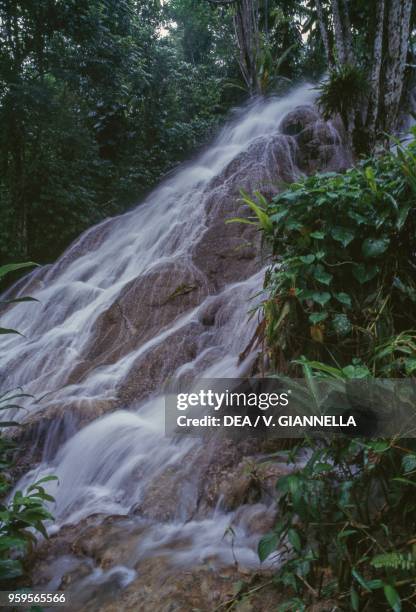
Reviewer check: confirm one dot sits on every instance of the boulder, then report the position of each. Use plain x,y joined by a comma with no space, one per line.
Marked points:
297,120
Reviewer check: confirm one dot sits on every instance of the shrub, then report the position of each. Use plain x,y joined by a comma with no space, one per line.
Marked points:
25,512
340,303
342,283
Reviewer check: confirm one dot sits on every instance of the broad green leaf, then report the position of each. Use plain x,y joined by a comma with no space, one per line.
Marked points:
294,539
267,546
322,276
369,173
375,247
320,467
317,235
361,581
363,273
293,225
344,298
392,597
321,298
318,317
346,533
410,366
307,259
405,481
240,220
18,300
343,235
350,372
278,216
409,463
402,216
46,479
10,568
359,219
5,330
13,267
8,542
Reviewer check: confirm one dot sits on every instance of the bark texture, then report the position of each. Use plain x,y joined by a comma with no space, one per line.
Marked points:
338,33
246,27
389,24
324,33
373,105
246,24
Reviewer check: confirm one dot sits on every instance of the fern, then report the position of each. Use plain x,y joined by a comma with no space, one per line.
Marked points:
395,560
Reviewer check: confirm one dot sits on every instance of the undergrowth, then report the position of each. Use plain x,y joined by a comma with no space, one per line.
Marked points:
341,304
25,512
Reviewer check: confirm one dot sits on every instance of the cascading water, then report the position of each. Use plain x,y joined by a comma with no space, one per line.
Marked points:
161,291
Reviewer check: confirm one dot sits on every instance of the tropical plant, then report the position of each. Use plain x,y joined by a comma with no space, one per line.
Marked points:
342,282
25,512
345,528
340,307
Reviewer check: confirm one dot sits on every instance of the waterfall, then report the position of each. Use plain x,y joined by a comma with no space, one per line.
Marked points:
161,291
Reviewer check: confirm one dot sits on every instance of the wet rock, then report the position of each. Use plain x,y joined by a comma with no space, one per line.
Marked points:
249,483
163,497
159,589
297,120
257,519
94,562
320,144
46,430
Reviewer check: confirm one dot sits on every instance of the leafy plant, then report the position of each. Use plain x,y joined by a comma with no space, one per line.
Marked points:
346,87
345,519
18,518
4,270
25,512
340,306
342,283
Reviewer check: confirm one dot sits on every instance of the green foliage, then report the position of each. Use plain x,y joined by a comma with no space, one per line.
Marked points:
395,560
26,511
23,514
345,88
96,106
341,292
343,279
4,270
343,527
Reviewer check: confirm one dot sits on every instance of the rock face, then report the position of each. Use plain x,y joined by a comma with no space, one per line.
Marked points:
160,292
152,585
321,144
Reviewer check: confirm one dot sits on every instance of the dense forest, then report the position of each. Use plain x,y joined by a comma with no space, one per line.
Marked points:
299,116
99,99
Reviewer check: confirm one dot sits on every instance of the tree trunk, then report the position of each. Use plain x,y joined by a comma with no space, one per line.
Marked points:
324,33
398,36
339,33
17,183
246,24
374,99
246,27
347,32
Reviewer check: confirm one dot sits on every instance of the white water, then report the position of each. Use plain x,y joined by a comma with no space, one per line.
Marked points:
162,229
108,466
